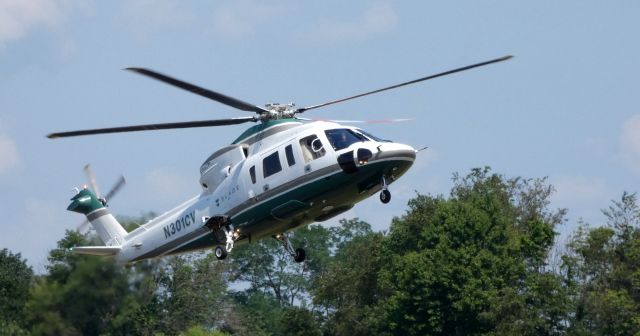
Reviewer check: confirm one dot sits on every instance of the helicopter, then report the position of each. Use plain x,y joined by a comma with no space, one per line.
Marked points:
280,174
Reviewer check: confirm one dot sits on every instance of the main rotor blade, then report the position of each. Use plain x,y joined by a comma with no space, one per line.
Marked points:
300,110
152,127
219,97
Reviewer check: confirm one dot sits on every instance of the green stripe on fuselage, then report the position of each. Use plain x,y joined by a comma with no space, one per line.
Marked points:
254,130
336,189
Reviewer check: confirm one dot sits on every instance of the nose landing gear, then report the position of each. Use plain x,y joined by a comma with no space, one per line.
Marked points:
385,194
298,254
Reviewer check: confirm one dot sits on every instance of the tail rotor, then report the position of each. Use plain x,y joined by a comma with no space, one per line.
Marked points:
83,227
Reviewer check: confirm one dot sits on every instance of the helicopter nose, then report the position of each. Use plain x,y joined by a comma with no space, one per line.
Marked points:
397,156
393,159
395,151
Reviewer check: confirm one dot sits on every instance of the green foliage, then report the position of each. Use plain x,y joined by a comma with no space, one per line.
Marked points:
260,312
268,268
276,283
603,268
15,281
200,331
472,263
297,321
189,290
348,290
11,328
460,266
84,295
83,301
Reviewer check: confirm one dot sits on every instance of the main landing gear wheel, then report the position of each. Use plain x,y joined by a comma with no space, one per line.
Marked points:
298,254
221,226
385,196
220,252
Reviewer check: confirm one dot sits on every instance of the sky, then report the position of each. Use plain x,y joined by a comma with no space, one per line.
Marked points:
566,107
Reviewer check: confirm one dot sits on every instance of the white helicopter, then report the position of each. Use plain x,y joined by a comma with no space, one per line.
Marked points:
278,175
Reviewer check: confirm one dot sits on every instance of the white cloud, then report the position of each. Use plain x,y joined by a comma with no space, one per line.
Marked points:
377,19
630,142
9,157
242,18
18,17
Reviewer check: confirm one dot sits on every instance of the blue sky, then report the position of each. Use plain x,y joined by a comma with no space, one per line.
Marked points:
566,107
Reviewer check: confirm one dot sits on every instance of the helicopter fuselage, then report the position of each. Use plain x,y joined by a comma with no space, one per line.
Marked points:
277,176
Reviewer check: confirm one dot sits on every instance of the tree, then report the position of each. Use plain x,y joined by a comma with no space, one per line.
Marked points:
460,265
348,291
15,280
191,292
277,284
297,321
260,312
603,268
268,268
91,295
80,295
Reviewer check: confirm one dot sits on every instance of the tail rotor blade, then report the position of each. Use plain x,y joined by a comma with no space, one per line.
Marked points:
116,187
82,227
92,179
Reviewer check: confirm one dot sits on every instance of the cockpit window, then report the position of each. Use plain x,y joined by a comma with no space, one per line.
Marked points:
341,138
372,137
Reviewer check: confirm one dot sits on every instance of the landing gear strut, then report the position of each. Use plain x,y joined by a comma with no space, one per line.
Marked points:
297,254
221,225
385,194
220,251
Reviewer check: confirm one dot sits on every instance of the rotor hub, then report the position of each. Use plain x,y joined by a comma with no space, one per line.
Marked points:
278,111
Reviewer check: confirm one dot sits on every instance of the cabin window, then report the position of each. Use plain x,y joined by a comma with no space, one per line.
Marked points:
289,152
252,172
372,137
342,138
312,148
271,164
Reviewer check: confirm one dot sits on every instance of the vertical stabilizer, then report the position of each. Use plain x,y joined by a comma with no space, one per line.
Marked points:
109,230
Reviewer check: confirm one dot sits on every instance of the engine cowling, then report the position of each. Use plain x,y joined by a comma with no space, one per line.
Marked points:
218,165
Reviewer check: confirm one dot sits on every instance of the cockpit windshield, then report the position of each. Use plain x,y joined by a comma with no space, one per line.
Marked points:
371,136
341,138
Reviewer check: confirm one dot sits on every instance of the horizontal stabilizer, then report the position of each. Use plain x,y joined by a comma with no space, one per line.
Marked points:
96,250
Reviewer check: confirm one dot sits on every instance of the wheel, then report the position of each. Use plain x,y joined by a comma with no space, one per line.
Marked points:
220,252
300,255
385,196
